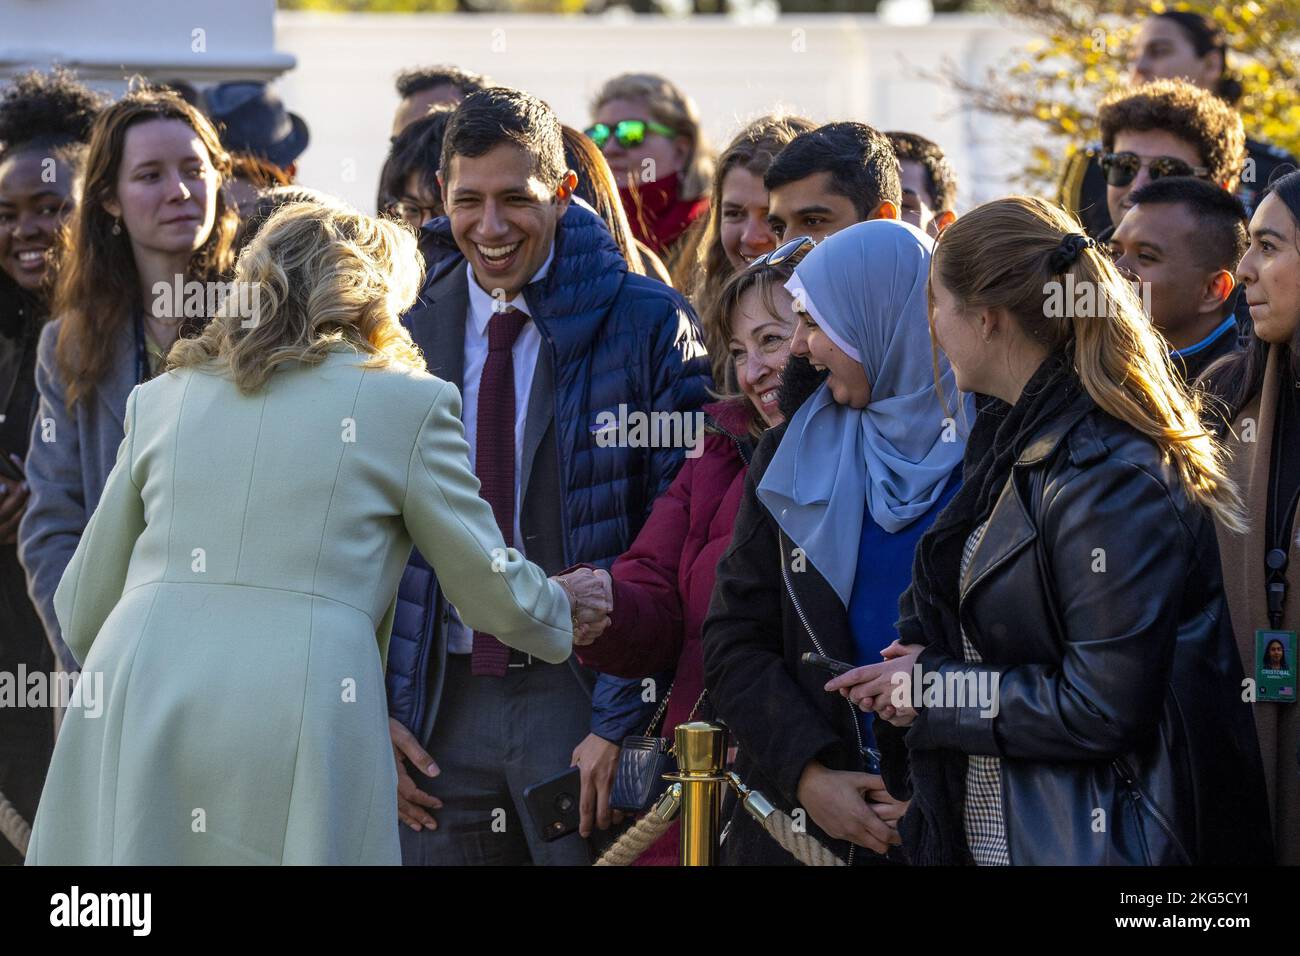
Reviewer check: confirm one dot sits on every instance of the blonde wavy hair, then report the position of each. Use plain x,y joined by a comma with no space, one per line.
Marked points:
999,256
320,274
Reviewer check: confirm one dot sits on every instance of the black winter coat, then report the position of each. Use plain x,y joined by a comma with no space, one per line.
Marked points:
768,608
1095,596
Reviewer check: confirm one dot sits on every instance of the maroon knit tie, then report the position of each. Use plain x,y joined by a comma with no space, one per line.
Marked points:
495,457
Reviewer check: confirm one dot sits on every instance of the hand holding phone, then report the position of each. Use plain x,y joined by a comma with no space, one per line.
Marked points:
831,665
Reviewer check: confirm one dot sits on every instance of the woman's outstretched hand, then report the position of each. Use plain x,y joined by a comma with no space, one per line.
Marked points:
591,597
885,688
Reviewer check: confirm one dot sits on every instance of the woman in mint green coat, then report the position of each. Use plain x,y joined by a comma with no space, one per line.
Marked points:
231,599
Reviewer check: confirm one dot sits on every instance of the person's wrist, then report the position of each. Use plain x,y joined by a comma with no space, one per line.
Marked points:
573,599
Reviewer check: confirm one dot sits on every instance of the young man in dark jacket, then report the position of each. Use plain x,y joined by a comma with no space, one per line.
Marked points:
536,319
1182,239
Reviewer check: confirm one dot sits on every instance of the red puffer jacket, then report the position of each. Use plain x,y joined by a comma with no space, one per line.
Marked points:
663,583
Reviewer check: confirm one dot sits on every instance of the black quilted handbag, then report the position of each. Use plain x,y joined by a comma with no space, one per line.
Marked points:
642,762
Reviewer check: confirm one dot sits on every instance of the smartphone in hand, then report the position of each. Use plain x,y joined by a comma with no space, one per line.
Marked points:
828,664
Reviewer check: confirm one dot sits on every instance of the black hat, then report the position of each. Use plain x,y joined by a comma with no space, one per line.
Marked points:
254,120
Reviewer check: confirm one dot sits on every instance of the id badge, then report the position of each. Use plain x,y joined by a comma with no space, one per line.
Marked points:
1275,666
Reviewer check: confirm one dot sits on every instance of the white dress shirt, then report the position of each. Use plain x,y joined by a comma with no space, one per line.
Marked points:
482,306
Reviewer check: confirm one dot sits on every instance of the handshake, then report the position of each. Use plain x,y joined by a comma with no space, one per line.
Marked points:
591,598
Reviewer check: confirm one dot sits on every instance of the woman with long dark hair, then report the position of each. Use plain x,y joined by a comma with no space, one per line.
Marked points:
1066,671
597,188
44,121
153,218
737,231
1260,386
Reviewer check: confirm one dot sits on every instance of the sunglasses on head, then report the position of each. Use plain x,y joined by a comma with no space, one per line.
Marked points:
1122,168
629,133
782,252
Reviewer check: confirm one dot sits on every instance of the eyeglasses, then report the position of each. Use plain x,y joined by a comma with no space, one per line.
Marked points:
629,132
782,252
1122,168
411,211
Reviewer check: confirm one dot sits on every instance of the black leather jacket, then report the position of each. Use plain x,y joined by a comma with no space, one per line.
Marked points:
1096,599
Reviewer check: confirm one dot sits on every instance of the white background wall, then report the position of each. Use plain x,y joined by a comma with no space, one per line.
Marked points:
826,67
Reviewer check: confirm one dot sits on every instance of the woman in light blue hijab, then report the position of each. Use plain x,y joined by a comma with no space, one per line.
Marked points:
875,442
822,549
870,460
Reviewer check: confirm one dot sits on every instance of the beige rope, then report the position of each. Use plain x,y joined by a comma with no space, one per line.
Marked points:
804,848
13,826
625,850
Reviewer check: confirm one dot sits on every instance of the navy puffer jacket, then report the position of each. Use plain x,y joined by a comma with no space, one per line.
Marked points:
615,338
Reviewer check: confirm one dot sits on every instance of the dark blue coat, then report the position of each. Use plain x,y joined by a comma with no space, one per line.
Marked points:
612,338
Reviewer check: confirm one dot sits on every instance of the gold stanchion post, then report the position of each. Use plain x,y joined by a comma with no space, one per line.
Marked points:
701,751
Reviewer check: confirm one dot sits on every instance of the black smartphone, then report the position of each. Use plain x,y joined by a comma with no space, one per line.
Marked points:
553,804
8,470
826,663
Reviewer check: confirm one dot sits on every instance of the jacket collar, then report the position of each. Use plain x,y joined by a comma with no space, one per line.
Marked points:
1085,442
1010,527
437,325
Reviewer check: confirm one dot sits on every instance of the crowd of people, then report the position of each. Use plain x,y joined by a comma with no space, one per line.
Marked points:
353,557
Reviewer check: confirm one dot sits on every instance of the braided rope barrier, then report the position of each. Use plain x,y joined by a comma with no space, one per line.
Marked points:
13,826
778,825
628,847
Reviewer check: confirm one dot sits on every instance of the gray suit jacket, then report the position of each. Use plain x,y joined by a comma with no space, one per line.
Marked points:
68,462
440,332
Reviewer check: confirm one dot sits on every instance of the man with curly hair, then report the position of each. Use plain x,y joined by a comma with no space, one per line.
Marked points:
1162,128
1167,128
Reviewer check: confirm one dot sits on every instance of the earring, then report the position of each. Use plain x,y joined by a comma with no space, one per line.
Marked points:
117,227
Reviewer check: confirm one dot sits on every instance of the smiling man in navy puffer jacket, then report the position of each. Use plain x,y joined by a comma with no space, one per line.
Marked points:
519,268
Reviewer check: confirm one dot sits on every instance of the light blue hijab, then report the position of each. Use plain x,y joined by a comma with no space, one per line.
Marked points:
866,288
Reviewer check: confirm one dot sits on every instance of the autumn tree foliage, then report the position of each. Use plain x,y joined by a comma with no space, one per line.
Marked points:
1081,52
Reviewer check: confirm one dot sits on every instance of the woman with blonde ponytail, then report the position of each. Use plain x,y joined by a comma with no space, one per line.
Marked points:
1066,674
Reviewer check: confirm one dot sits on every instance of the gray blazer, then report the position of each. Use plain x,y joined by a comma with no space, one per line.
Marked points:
68,462
439,330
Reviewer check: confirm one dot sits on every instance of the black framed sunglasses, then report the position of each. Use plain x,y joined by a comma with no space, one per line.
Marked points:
783,252
1122,168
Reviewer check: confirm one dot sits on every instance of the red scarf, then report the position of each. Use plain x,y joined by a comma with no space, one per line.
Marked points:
657,216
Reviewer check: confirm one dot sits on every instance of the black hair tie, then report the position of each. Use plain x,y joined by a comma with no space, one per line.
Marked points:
1068,252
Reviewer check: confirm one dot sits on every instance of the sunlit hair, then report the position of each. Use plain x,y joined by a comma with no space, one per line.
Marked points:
998,256
720,313
323,274
597,188
752,150
666,104
98,287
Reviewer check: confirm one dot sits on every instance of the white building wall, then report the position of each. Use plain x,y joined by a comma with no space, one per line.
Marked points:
826,67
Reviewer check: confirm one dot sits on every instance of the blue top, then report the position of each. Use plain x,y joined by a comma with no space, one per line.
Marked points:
1229,323
883,573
